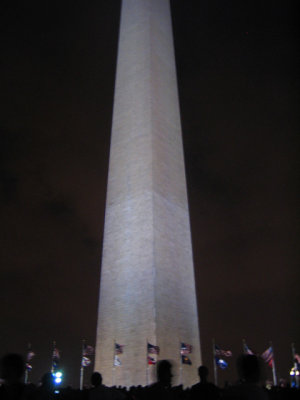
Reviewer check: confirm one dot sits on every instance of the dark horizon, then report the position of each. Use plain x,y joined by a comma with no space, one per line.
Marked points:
238,89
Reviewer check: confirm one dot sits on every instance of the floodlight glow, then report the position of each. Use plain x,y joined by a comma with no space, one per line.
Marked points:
57,377
294,372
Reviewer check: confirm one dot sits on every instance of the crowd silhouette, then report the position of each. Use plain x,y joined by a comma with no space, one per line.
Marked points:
248,386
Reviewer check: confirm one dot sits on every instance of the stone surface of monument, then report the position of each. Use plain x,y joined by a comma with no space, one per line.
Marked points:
147,290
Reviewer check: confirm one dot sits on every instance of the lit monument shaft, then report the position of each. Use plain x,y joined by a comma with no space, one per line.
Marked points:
147,288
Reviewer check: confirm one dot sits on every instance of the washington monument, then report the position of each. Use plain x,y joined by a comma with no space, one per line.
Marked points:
147,291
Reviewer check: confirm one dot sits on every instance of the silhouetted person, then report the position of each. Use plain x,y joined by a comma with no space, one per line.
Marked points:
46,390
164,374
162,388
249,371
12,372
47,382
204,389
96,379
102,392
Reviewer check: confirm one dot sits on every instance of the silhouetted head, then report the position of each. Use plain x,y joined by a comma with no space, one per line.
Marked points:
12,368
249,368
47,381
203,373
96,379
164,372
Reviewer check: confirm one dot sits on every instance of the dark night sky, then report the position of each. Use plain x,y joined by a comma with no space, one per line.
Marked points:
237,74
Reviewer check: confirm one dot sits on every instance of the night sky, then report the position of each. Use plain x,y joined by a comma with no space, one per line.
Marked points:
237,75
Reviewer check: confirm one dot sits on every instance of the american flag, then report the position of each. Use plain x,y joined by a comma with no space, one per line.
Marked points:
185,348
88,351
119,348
153,349
30,355
268,356
224,353
55,354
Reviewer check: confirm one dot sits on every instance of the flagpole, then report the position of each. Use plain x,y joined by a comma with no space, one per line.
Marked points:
26,369
293,351
273,367
54,345
113,364
180,363
215,364
81,367
244,346
147,363
295,365
26,376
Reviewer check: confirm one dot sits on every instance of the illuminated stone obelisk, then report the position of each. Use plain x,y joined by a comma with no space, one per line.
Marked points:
147,290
